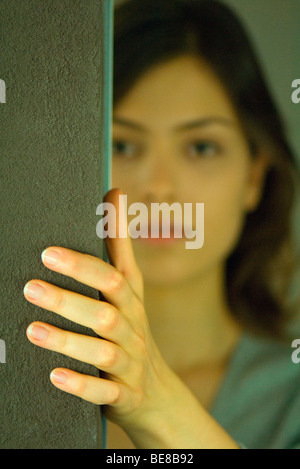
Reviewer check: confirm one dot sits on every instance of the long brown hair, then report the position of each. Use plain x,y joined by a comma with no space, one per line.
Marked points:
147,32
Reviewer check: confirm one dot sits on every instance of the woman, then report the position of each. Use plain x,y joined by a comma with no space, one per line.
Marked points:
192,341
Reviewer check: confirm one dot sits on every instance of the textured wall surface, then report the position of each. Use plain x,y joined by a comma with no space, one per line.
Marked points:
51,147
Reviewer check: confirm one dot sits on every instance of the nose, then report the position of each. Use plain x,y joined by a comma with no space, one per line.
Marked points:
160,178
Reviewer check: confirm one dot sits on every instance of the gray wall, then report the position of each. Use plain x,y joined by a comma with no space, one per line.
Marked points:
52,144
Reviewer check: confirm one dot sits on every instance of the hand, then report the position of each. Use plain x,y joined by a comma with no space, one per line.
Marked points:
138,390
131,384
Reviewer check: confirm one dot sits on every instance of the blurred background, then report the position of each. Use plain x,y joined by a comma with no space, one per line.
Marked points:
274,27
275,30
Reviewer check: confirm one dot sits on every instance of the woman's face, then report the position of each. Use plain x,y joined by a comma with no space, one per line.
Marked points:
177,139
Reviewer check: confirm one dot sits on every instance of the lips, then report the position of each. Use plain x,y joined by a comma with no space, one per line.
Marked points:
163,231
163,234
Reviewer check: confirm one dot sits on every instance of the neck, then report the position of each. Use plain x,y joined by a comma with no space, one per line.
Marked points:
191,322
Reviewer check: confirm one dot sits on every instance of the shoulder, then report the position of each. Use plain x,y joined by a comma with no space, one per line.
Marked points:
270,358
261,398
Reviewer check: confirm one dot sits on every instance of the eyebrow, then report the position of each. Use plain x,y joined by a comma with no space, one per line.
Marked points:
128,123
182,127
204,122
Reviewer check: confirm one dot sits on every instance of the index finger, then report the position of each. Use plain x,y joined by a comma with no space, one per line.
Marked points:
93,272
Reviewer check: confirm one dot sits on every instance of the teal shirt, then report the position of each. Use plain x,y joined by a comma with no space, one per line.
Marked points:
258,403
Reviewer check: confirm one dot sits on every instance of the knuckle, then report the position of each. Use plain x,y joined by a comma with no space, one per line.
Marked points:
115,395
107,319
116,281
109,356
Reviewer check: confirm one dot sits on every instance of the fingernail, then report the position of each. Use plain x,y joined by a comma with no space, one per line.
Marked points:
38,332
50,257
34,291
58,377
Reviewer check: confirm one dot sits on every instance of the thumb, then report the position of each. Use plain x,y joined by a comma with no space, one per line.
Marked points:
120,249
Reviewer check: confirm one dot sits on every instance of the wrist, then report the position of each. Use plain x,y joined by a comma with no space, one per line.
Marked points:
164,422
177,421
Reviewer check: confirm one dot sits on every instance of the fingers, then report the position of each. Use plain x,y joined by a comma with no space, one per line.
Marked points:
95,273
89,270
102,354
103,318
121,285
96,390
120,323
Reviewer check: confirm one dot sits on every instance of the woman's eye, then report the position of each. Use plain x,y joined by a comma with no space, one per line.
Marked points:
123,148
204,149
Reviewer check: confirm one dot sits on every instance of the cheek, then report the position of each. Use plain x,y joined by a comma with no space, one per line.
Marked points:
119,179
225,215
125,177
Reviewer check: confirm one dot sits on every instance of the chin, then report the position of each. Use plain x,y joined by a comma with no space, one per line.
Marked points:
168,267
175,266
